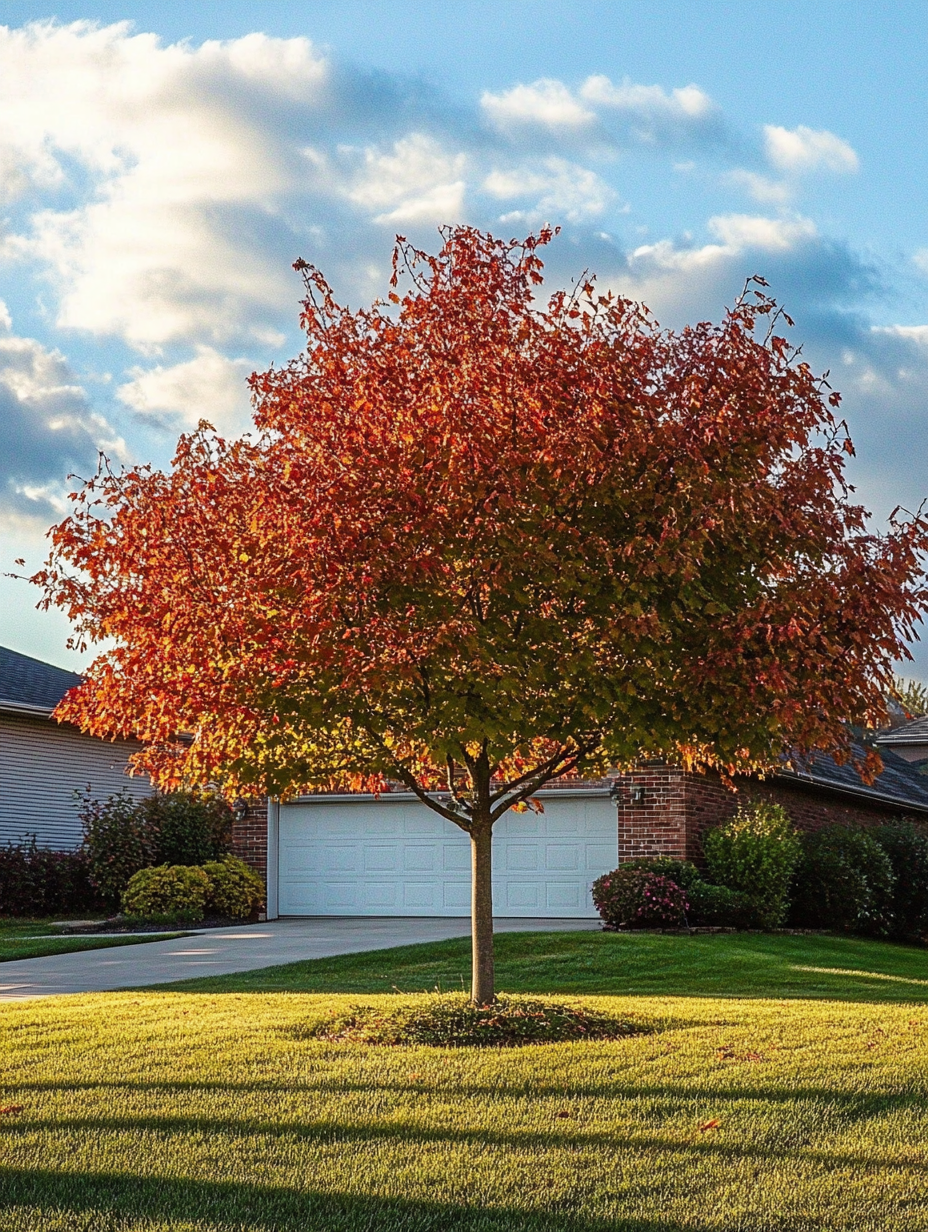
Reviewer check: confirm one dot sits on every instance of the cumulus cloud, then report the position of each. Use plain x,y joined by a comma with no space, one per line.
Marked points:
560,189
209,386
805,149
417,180
545,103
49,427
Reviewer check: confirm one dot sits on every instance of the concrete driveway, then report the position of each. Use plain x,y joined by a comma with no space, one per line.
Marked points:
221,951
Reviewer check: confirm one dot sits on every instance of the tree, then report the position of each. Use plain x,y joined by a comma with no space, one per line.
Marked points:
481,542
912,695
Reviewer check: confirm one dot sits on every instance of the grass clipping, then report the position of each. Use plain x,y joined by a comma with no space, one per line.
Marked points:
449,1020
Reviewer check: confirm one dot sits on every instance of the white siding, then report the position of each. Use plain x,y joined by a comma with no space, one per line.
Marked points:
42,765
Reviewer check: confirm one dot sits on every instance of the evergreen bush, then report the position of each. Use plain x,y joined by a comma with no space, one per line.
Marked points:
844,881
235,890
907,849
168,892
756,853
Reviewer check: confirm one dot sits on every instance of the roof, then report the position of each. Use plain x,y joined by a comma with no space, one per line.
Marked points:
899,784
915,732
30,686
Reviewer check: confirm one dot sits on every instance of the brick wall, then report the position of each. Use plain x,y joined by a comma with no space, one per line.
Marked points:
679,807
249,836
656,827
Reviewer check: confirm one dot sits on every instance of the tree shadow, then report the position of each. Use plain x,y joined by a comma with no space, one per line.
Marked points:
117,1199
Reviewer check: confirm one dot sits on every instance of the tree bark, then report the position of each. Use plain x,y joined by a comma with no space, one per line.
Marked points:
483,989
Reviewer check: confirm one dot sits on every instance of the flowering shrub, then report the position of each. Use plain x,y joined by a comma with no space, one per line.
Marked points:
636,898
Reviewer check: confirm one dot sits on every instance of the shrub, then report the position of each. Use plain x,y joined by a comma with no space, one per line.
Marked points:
117,842
907,849
718,906
190,827
682,872
235,890
636,898
35,881
756,853
168,892
123,835
449,1020
844,881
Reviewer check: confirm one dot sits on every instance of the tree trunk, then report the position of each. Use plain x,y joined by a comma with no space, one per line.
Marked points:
481,912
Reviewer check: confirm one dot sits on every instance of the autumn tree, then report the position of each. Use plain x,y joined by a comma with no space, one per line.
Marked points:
480,541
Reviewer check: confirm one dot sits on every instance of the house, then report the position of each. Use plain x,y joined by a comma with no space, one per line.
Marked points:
355,855
906,740
43,764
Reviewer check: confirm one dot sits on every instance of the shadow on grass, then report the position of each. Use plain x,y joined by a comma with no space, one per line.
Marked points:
742,965
99,1197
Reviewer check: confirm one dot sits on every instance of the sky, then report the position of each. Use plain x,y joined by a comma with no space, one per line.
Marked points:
163,165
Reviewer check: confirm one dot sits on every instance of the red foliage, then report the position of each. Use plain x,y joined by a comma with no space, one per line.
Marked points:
481,541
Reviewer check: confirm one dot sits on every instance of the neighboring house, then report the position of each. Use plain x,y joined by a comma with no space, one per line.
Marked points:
355,855
44,763
906,740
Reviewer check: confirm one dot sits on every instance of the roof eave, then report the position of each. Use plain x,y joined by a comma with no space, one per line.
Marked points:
39,712
853,793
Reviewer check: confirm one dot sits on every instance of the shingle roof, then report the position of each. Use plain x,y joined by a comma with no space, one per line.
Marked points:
30,684
915,732
899,783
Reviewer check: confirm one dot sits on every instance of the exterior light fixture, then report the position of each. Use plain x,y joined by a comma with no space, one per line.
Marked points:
636,792
240,810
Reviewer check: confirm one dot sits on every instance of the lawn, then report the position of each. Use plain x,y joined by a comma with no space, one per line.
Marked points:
36,938
783,1085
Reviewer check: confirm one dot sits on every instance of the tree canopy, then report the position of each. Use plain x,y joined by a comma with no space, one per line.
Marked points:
480,540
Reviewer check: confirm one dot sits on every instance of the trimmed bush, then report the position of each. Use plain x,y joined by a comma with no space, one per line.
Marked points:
448,1020
907,849
716,906
756,853
844,881
636,898
123,835
35,881
235,890
168,892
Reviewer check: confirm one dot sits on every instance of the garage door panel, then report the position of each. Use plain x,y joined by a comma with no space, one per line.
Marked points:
395,858
382,859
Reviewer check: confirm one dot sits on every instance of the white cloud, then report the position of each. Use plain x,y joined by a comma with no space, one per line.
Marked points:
186,160
210,386
564,190
806,149
416,181
761,187
686,102
740,231
48,426
545,103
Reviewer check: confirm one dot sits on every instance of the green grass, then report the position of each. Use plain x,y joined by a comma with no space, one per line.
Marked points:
797,1105
35,939
597,963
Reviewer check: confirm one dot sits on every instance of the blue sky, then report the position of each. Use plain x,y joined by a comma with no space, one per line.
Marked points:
161,166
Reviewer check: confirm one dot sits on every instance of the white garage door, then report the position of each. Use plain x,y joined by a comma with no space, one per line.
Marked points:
396,857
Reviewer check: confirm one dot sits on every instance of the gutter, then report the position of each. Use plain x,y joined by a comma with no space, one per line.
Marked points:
39,712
